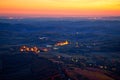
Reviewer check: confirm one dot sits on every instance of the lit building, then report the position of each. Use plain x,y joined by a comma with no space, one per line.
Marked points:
62,43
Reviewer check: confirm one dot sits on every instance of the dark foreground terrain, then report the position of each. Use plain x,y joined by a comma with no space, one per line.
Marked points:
27,67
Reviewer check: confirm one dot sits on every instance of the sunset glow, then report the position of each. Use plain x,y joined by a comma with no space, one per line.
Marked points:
60,7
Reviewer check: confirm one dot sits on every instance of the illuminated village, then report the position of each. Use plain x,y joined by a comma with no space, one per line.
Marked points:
38,50
33,49
62,43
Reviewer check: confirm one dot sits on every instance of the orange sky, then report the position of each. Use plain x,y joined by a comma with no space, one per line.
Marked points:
60,7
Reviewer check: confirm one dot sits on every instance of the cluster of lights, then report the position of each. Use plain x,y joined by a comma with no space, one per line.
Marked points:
62,43
37,50
28,49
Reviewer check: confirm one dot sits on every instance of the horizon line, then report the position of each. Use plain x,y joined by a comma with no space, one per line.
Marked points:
2,16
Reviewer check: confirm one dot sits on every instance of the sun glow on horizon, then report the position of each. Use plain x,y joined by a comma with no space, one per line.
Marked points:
60,7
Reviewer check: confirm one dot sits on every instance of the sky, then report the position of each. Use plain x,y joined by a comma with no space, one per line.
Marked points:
62,8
